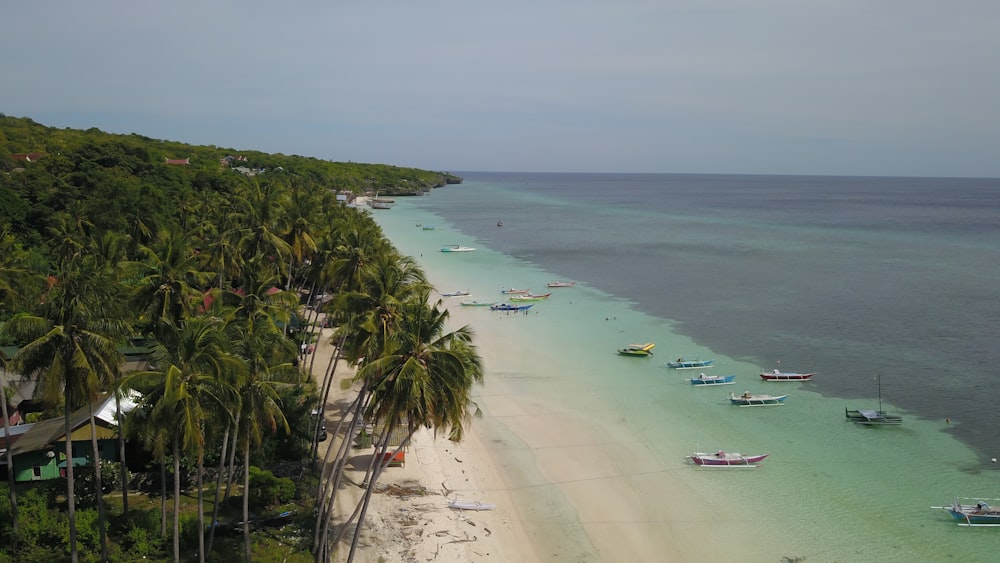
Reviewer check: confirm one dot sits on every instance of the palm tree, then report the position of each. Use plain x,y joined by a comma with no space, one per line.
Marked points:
367,314
171,280
12,483
186,390
267,355
423,378
71,348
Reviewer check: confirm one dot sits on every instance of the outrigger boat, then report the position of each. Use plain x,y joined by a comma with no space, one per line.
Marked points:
455,294
979,515
748,399
561,284
681,363
477,303
776,375
713,380
529,297
512,291
638,350
510,307
456,248
726,459
871,417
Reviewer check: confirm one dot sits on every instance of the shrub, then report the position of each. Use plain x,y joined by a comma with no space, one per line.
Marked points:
267,490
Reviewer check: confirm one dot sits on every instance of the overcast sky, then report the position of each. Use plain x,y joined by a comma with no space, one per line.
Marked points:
846,87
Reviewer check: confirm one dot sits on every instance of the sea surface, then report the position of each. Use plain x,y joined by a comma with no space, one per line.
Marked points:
886,287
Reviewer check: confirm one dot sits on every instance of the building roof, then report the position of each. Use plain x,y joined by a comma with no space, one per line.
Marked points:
44,433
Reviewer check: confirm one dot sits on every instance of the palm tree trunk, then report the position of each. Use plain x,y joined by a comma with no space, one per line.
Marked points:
246,498
70,487
337,472
380,449
201,509
121,454
324,496
331,369
98,485
232,462
177,498
218,486
11,475
163,497
379,467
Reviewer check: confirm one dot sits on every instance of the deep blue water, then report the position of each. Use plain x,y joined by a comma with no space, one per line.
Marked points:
851,277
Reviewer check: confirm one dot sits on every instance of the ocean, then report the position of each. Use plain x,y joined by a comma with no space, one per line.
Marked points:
855,278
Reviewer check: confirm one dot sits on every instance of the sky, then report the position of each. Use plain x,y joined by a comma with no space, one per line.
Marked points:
838,87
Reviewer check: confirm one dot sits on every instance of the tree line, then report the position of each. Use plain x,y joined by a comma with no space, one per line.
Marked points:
104,243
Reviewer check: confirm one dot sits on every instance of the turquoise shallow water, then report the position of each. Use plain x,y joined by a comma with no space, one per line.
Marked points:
831,491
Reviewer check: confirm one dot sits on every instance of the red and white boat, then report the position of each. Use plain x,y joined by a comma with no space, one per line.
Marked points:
777,375
726,459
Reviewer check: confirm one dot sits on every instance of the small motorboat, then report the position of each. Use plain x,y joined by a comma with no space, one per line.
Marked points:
477,303
638,350
529,297
776,375
976,515
510,307
748,399
713,380
456,248
681,363
561,284
726,459
513,291
455,294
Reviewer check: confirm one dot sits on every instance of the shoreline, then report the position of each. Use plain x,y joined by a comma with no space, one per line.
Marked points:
408,517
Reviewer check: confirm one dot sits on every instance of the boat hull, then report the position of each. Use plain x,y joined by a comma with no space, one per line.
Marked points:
725,459
772,376
872,417
757,400
474,303
691,364
511,308
708,380
457,248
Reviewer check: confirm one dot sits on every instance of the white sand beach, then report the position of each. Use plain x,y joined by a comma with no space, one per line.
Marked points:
409,518
567,482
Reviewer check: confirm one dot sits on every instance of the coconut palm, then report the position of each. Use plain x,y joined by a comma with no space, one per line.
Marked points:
267,355
71,347
423,378
186,391
367,314
170,280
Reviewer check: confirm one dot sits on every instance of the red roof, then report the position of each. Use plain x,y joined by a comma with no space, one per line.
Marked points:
28,157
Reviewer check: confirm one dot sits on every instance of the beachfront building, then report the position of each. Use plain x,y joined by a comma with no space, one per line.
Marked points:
39,452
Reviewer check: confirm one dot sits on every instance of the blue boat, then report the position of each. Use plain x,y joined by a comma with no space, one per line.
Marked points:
510,307
974,515
681,363
713,380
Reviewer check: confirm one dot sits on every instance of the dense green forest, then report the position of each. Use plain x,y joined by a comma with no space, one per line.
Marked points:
211,261
80,172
